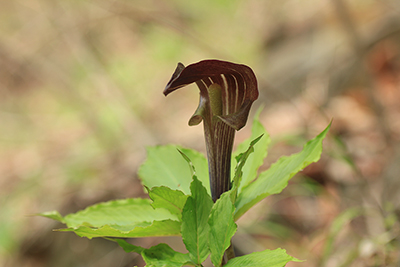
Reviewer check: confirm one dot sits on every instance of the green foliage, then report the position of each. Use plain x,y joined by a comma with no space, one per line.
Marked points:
255,158
128,247
241,160
195,226
166,167
180,204
270,258
159,255
120,218
275,179
222,227
163,255
172,200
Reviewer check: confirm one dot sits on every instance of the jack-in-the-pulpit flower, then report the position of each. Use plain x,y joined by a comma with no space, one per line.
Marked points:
227,91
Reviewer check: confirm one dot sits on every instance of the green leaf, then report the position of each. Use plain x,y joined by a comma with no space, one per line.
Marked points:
120,218
166,166
163,255
118,212
195,227
144,229
275,179
241,160
270,258
159,255
222,227
256,159
190,163
55,215
128,247
172,200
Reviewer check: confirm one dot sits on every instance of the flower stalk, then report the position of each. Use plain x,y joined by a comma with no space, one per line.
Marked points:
227,91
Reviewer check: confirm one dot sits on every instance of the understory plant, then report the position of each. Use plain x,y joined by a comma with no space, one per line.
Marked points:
193,197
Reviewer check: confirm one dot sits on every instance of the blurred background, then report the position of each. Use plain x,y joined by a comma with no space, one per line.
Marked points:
81,97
